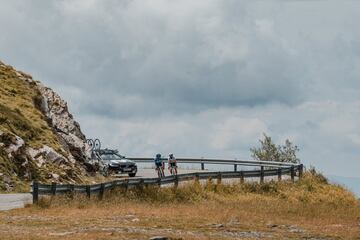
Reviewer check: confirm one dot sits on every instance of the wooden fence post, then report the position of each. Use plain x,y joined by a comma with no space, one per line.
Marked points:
241,177
279,174
292,173
219,178
301,170
53,188
101,192
35,192
88,191
235,168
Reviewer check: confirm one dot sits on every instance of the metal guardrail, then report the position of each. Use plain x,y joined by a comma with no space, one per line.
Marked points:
217,161
53,189
233,162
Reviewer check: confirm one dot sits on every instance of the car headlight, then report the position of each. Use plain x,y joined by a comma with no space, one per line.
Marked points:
112,164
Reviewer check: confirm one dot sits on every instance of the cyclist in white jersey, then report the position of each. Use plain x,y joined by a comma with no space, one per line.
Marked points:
172,166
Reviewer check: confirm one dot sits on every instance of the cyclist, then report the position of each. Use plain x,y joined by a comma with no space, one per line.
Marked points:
172,164
159,165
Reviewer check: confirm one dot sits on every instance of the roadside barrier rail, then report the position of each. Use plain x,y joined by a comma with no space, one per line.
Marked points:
233,162
53,189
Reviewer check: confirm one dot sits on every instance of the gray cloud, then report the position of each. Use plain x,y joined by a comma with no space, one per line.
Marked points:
210,76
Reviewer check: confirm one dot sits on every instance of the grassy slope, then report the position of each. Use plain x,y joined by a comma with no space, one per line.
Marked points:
307,209
20,115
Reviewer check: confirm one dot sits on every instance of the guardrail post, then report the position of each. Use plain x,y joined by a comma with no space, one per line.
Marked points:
141,184
126,184
113,185
176,182
219,178
262,174
35,192
197,178
292,173
279,174
88,191
301,171
72,189
241,177
202,166
53,188
235,168
101,192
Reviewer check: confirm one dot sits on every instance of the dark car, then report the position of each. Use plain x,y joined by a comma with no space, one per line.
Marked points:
116,163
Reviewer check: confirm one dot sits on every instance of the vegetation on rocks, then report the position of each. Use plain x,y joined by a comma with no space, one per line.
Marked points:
30,146
18,112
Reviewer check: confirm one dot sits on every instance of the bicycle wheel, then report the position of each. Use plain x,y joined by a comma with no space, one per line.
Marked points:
90,142
97,144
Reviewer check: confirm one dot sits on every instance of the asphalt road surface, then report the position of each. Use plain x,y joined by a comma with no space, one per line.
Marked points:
17,200
152,173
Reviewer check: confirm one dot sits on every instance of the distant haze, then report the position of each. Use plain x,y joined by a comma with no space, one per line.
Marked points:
199,78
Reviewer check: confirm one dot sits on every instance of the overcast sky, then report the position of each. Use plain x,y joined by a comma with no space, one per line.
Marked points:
199,78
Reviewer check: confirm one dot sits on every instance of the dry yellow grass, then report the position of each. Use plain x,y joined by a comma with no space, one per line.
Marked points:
18,111
309,209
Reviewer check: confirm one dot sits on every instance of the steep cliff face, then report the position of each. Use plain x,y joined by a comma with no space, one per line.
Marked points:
39,138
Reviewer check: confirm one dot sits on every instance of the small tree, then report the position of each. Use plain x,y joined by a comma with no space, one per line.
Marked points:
268,151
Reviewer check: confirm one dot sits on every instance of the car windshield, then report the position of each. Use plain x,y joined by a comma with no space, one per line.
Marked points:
110,157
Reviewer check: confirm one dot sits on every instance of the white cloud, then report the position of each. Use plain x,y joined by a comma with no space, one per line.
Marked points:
199,78
233,132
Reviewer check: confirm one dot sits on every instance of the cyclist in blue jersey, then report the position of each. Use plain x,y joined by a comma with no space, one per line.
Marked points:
159,165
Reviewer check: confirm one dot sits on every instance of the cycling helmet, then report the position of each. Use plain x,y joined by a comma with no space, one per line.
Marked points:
158,155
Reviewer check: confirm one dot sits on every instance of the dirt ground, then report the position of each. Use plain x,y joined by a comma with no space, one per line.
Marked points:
240,219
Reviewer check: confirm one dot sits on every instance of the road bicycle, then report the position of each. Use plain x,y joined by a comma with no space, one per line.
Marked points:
160,171
173,169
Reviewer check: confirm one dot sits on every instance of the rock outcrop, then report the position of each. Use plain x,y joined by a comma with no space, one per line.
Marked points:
63,123
39,138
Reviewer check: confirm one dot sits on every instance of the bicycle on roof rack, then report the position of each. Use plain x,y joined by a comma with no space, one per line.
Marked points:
111,161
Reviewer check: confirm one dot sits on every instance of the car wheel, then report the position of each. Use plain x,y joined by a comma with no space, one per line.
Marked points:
132,174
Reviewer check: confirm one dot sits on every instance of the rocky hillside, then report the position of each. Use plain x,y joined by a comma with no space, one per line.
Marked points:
39,139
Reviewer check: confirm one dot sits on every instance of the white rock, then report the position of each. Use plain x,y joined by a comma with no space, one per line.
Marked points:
36,155
62,121
13,148
55,176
